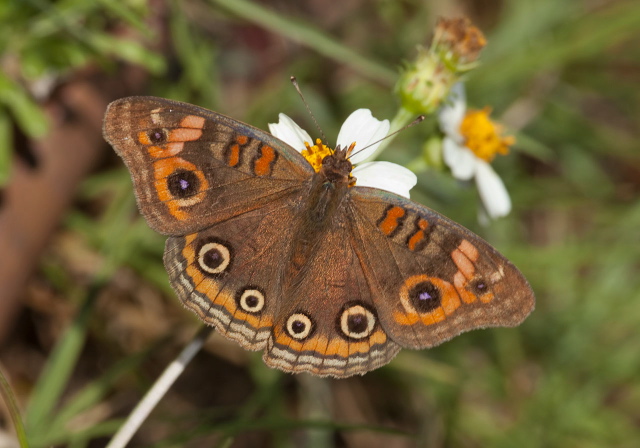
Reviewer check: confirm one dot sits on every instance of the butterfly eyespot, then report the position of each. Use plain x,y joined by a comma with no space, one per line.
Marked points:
214,257
425,297
479,286
299,326
356,321
157,136
251,300
183,184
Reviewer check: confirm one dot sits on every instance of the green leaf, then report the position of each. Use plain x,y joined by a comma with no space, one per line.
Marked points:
129,50
10,402
310,36
29,116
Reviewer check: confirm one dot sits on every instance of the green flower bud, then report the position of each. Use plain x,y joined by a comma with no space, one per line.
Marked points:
455,48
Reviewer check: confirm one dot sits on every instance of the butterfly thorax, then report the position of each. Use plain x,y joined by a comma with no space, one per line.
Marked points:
328,188
321,210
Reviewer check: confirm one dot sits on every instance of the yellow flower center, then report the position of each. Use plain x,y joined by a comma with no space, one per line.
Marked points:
314,154
483,136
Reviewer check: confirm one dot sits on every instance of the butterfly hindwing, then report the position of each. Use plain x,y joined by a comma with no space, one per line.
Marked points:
233,276
327,322
229,273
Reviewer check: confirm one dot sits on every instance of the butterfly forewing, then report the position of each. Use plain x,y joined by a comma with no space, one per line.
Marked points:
192,167
431,278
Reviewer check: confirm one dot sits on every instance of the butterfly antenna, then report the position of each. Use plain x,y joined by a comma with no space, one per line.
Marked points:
418,119
294,81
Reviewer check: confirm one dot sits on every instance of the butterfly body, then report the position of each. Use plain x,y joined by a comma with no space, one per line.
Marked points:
324,276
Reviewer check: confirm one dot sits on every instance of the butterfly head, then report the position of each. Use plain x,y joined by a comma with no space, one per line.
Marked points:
336,167
333,165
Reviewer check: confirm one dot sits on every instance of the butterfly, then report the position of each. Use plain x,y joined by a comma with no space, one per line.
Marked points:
323,275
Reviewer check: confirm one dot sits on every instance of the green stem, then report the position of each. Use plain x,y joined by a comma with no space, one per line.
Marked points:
307,34
10,402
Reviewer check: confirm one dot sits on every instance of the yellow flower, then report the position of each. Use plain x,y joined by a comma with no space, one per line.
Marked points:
471,142
483,136
314,154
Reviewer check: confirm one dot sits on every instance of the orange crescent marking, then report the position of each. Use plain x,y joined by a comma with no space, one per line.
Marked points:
189,254
255,322
337,346
463,263
192,121
184,135
165,167
263,163
234,155
311,344
469,250
321,346
170,149
242,139
415,239
144,138
486,298
404,318
434,316
390,221
283,338
460,283
450,300
414,280
332,347
176,212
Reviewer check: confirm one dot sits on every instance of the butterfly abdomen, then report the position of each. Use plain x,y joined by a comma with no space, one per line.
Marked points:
322,209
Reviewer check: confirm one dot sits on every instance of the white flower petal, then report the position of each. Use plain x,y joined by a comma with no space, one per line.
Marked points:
452,112
289,132
386,176
492,191
459,158
363,128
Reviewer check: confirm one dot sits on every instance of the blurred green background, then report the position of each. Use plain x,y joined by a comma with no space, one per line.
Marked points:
89,320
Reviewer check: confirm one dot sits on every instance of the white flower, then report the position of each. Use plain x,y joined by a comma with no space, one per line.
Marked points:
471,141
362,129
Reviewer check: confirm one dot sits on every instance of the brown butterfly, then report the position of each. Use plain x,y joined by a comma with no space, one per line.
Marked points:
324,275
